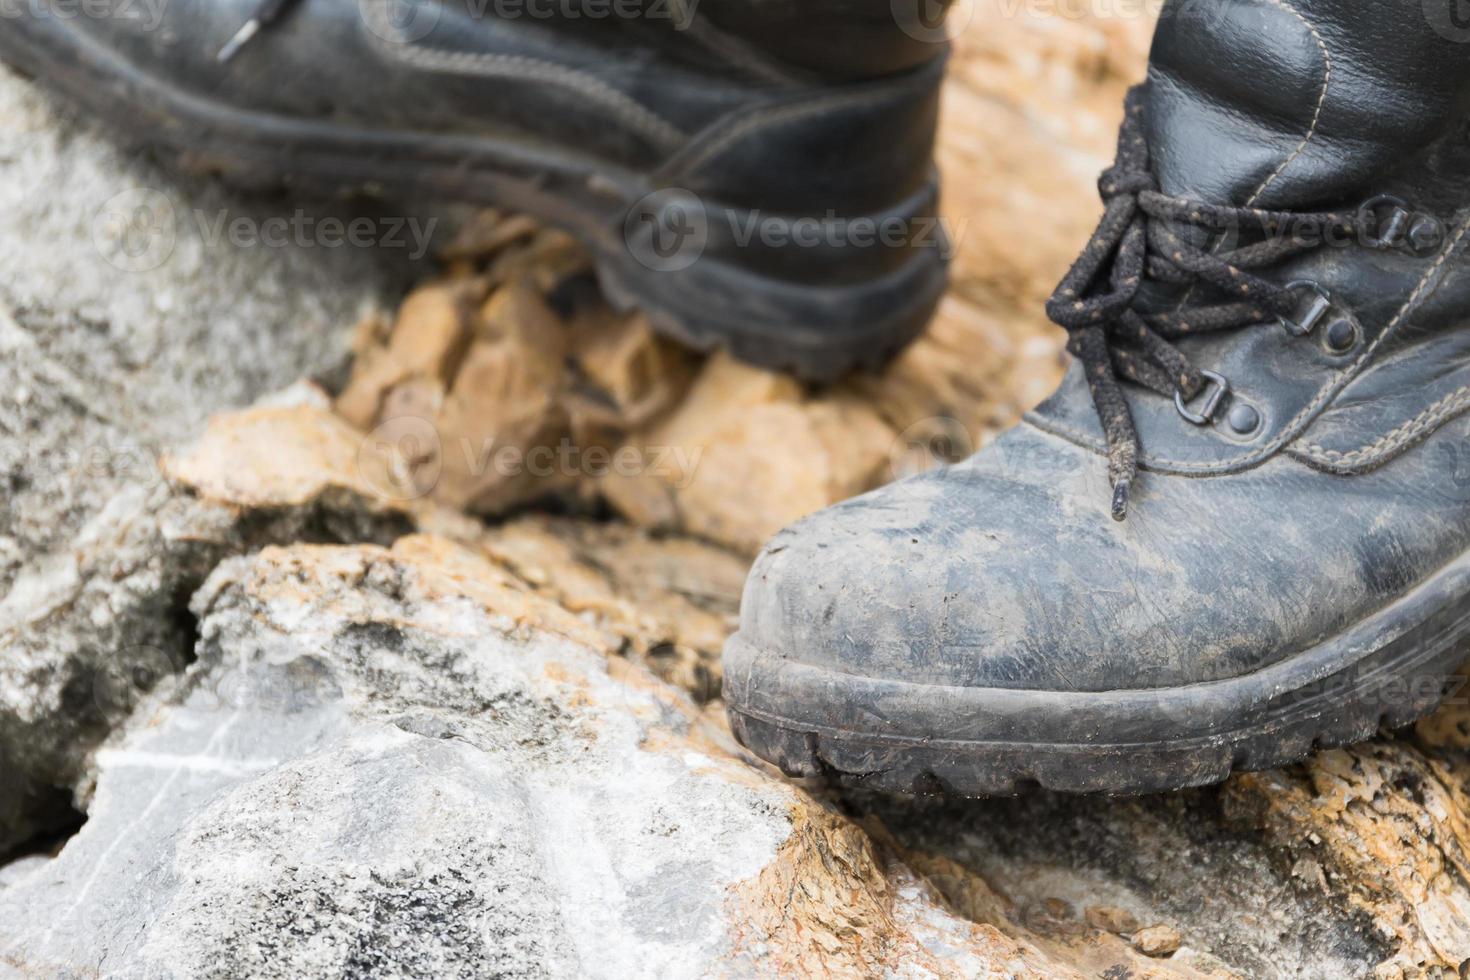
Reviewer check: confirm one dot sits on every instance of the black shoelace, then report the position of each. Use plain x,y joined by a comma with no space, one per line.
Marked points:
266,13
1135,240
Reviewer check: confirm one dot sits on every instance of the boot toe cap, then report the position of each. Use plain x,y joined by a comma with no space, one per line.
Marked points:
1008,572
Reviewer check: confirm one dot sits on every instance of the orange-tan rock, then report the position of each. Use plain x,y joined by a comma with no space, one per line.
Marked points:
524,403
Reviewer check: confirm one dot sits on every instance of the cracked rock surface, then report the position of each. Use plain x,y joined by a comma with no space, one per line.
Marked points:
111,350
272,705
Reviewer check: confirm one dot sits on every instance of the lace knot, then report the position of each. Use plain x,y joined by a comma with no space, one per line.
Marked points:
1139,237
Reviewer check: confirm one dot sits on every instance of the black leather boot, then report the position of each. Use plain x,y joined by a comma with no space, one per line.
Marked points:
755,174
1239,530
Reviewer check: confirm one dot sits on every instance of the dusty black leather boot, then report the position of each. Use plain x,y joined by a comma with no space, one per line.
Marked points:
1239,530
756,175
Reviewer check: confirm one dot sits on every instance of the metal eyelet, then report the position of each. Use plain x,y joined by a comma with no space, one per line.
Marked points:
1390,233
1321,303
1244,419
1216,397
1403,228
1340,336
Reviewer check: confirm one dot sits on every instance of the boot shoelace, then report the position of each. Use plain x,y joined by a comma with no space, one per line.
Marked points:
1134,241
266,13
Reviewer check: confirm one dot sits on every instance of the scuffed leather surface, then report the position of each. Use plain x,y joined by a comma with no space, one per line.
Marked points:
866,170
1420,374
1239,552
1006,570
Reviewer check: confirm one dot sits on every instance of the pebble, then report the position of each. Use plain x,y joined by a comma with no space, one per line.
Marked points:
1157,940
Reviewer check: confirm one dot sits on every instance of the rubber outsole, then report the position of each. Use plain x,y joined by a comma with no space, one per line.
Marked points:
260,151
1385,672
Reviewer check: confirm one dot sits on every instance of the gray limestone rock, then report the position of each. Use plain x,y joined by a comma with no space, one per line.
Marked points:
134,304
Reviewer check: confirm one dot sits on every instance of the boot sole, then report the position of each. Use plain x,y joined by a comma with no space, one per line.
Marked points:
1386,671
825,333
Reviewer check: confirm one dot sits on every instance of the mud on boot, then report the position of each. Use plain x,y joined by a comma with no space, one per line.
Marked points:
1241,528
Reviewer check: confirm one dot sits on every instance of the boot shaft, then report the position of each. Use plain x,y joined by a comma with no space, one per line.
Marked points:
813,40
1305,103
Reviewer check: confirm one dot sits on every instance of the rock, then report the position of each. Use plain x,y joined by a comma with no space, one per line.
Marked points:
1110,918
669,602
728,453
89,632
748,453
383,761
1157,940
135,304
450,755
507,399
318,720
1385,824
129,313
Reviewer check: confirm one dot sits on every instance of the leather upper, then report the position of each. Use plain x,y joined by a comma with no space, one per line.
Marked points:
1311,105
638,95
1007,570
837,38
1239,550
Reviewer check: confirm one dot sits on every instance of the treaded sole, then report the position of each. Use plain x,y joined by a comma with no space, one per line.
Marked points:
254,151
1387,671
847,760
821,356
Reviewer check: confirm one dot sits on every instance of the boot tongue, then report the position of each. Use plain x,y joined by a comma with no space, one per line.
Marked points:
1288,104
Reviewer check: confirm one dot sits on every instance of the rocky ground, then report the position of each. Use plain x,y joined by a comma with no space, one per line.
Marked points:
358,633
